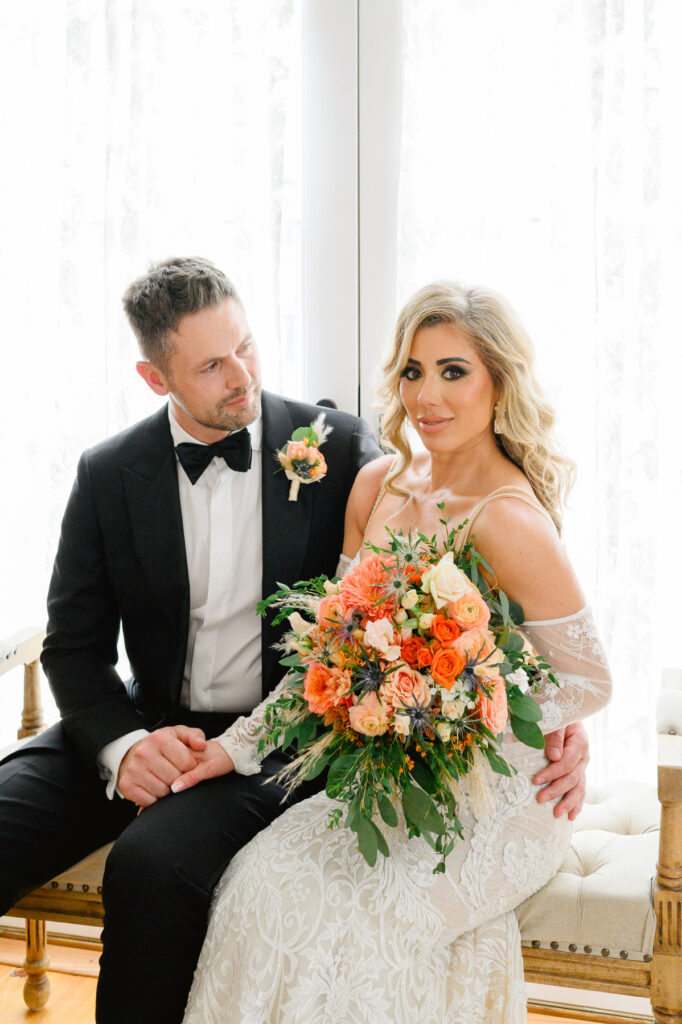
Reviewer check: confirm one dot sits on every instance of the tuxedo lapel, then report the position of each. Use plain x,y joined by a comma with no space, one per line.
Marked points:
286,524
151,488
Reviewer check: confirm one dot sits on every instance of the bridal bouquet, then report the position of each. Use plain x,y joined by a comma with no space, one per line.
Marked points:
401,678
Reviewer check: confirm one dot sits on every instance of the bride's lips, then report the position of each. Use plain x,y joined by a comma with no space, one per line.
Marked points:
433,424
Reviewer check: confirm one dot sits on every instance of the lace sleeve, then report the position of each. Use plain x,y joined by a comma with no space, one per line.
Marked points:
241,739
572,647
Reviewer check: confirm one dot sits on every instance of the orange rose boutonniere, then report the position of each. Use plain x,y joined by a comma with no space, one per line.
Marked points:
301,459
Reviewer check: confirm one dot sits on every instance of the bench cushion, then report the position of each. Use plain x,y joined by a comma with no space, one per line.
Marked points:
601,899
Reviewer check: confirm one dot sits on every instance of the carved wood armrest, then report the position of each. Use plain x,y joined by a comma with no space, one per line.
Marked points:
24,649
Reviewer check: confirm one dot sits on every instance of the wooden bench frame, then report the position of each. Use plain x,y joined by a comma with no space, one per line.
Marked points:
659,979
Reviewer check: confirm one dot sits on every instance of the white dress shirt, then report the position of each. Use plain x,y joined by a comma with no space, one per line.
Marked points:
221,522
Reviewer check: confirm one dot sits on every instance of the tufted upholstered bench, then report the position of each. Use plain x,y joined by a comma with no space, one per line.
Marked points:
610,920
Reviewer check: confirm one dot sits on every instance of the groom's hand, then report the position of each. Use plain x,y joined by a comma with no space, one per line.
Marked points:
153,763
212,761
568,751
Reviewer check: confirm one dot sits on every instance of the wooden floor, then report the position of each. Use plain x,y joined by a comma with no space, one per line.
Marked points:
73,979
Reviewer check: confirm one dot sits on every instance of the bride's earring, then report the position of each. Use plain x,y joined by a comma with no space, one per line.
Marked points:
498,423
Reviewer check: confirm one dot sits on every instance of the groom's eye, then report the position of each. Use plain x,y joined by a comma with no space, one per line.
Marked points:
210,367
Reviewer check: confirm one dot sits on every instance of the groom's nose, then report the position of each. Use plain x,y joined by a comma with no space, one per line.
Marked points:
237,373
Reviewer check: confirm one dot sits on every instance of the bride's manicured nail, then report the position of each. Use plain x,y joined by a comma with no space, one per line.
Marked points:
177,787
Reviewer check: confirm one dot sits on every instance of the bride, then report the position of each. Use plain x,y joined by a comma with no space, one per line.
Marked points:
302,930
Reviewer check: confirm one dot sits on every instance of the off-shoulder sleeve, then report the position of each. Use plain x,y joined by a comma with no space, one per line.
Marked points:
572,647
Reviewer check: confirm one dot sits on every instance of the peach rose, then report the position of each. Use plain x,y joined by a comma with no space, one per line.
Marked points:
405,687
480,643
331,610
369,716
445,630
470,611
446,666
379,635
493,710
297,450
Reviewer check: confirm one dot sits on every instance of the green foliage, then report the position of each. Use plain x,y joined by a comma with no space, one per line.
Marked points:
527,732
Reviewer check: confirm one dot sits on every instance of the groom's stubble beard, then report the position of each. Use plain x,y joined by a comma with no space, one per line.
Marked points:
222,417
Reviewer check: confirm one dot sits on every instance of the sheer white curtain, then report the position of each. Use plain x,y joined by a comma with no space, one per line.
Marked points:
541,156
131,131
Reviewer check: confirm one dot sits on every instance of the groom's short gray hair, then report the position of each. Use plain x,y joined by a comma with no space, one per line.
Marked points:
156,303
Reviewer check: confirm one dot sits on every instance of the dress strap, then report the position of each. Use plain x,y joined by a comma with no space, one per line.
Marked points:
380,494
501,492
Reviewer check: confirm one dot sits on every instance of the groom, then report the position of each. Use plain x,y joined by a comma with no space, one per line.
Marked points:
161,538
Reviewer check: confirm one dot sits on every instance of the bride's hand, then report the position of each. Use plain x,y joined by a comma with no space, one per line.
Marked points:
213,761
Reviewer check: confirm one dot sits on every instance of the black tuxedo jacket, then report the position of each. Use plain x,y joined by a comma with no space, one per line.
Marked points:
121,564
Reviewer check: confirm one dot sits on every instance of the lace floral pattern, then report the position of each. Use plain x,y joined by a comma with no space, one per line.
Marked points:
302,929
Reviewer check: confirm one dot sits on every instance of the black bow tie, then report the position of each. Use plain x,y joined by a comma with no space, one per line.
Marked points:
235,449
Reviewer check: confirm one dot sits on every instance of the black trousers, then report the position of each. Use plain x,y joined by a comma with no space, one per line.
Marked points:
159,876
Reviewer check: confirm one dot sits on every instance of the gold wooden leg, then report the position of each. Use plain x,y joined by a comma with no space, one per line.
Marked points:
37,984
666,967
32,715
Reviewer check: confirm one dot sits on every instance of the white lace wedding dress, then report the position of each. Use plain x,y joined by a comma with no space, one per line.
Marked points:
303,931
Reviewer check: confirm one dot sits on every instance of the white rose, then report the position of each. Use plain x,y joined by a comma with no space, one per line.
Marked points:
520,678
444,731
425,621
454,709
445,582
379,634
400,616
330,588
410,599
401,723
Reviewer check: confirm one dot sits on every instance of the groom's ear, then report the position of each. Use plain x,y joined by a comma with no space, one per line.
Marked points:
153,377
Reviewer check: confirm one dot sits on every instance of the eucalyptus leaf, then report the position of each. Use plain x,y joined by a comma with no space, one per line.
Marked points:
516,613
367,840
387,810
381,842
504,605
525,708
528,732
424,776
497,763
514,644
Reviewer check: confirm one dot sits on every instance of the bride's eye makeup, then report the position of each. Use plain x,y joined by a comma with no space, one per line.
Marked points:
410,373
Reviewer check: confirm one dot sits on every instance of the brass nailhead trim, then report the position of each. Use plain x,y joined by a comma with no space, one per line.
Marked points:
554,945
86,888
588,949
606,952
54,885
647,958
573,948
624,954
535,944
69,886
99,888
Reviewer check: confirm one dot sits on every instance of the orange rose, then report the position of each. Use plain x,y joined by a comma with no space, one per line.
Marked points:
424,657
319,688
493,710
480,644
446,666
470,611
409,651
445,630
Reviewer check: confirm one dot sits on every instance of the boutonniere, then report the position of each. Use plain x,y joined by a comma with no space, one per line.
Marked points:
301,459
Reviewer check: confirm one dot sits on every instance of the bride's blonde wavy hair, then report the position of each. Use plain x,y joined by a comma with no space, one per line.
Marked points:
524,417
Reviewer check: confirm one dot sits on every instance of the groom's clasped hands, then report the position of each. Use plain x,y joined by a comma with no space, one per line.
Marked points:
163,760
